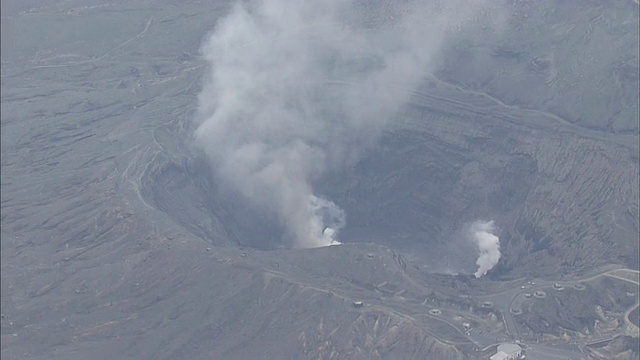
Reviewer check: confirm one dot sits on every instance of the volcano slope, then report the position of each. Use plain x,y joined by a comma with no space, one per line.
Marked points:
117,242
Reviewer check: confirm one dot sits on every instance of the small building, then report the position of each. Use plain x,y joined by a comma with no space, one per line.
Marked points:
507,351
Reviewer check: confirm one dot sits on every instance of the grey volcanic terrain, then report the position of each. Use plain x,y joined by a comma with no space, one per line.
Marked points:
120,239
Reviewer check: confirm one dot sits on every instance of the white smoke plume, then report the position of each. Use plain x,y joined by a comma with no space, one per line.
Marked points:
488,246
297,90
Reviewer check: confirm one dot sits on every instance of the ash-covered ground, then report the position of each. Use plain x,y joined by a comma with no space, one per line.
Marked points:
122,238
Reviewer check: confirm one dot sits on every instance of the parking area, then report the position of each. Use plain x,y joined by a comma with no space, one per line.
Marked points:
535,352
482,338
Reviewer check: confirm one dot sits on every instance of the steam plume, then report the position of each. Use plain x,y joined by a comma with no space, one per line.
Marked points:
488,246
296,90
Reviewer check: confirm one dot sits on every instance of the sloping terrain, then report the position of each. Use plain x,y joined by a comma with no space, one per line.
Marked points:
563,201
575,59
117,240
176,302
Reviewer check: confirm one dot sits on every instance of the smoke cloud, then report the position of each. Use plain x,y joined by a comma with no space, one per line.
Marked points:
488,246
297,90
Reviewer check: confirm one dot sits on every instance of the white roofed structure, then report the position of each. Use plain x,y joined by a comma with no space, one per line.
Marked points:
507,351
